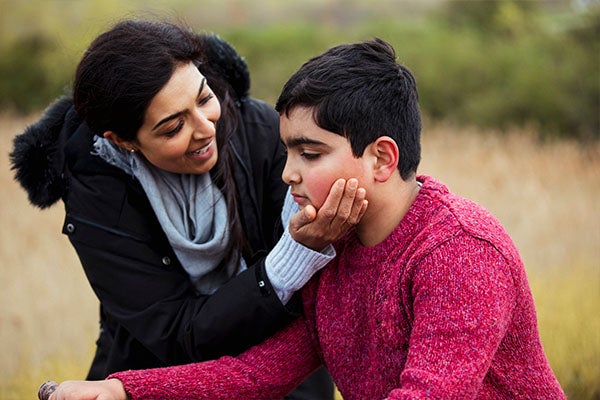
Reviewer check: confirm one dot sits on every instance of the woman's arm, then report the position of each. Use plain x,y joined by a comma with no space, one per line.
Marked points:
138,280
301,250
289,264
158,306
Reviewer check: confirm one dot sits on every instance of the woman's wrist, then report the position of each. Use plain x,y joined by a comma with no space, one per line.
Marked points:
289,265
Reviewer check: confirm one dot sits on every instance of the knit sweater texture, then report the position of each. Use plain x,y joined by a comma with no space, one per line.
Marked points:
441,309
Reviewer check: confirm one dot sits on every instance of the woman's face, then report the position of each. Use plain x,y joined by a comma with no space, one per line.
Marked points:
179,129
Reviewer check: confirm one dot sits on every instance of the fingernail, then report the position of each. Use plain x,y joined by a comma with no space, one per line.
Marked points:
352,183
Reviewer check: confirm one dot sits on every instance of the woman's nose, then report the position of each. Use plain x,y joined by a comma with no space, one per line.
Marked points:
204,125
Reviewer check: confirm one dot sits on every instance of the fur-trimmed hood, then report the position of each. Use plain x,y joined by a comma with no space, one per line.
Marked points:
37,156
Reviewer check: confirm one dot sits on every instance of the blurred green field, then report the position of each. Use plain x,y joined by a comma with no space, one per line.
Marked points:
492,63
568,305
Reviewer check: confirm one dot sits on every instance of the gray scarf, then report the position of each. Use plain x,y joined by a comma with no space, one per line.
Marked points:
191,211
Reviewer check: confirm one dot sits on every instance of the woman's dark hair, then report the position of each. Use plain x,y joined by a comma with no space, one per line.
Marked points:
360,92
125,67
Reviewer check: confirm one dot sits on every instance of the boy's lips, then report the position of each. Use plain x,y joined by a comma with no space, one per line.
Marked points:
302,200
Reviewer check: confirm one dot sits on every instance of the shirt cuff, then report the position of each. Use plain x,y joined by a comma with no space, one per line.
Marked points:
290,265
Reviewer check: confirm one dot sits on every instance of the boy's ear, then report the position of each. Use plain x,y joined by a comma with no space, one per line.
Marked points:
387,156
113,137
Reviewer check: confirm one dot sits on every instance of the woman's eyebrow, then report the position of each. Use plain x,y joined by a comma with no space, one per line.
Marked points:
177,114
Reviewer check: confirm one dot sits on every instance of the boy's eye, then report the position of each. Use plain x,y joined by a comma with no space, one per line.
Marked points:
310,156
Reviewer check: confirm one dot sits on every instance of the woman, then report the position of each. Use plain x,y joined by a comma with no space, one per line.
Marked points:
170,176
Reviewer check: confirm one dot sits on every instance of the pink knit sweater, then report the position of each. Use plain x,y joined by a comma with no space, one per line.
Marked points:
441,309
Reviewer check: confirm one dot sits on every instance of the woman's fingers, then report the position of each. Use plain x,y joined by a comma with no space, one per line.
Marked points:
350,208
344,207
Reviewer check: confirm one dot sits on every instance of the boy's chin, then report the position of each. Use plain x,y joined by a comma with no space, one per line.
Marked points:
301,207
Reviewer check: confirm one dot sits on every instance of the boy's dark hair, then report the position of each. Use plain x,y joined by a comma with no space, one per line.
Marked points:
360,92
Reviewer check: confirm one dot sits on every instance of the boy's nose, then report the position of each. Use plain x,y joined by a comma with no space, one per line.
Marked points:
289,174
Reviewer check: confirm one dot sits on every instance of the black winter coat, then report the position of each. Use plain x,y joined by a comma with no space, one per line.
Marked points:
150,315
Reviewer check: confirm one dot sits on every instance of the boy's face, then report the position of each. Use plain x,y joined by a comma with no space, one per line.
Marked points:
316,158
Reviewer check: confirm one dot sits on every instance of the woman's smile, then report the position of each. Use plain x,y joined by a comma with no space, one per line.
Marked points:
179,133
204,152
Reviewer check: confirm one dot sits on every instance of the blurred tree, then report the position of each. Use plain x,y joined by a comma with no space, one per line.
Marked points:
504,17
491,63
26,84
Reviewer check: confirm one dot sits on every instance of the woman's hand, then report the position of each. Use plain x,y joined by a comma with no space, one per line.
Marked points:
344,207
110,389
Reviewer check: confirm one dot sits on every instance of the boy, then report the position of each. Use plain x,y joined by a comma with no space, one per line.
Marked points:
426,298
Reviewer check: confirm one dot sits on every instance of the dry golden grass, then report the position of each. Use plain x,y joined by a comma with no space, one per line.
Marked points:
48,312
545,195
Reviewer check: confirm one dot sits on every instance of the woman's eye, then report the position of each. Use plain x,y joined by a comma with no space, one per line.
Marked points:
203,100
175,130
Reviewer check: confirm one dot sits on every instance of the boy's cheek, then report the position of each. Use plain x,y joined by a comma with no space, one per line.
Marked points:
319,195
319,185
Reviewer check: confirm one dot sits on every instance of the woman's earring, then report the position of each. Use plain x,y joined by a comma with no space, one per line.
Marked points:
132,150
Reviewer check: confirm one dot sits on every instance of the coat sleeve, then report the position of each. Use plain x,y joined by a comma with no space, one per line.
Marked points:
139,281
267,371
151,296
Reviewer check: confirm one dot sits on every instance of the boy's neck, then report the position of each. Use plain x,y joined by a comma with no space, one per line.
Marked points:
388,203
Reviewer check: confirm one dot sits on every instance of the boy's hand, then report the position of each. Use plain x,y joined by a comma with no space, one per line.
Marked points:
111,389
344,207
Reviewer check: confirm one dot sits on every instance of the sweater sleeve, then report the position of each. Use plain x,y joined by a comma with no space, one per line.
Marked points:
463,296
289,265
267,371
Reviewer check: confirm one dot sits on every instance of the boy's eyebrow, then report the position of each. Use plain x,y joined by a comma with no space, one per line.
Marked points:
177,114
301,140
